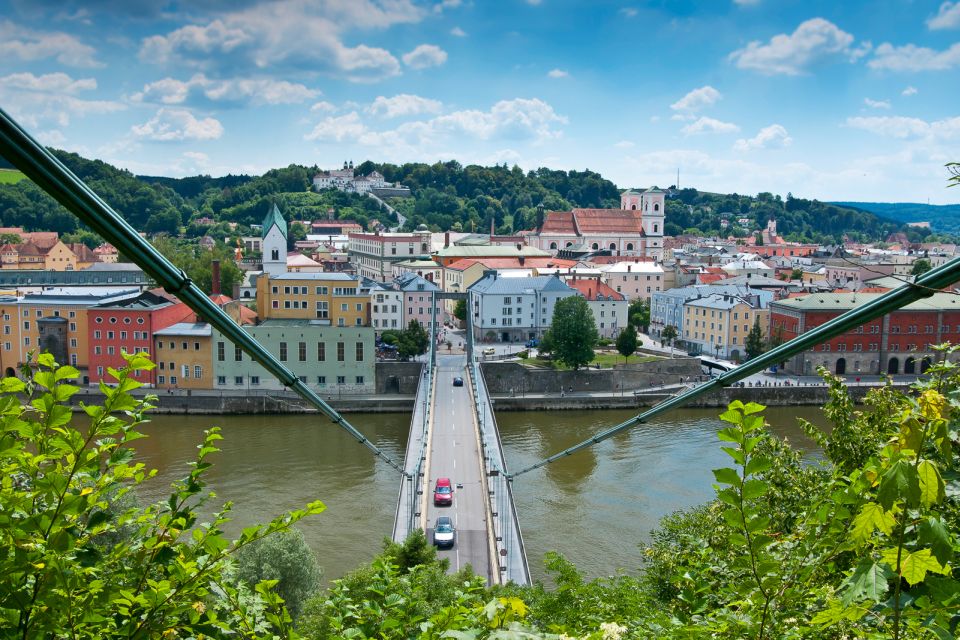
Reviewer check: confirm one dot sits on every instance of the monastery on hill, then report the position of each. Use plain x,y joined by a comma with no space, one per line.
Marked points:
635,229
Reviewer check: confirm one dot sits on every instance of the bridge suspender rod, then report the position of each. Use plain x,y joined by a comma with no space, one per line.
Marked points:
925,286
66,188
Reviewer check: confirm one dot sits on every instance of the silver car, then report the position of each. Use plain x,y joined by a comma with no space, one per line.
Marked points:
444,533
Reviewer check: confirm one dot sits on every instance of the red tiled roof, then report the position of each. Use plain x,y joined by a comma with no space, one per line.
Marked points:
558,222
581,221
591,288
710,278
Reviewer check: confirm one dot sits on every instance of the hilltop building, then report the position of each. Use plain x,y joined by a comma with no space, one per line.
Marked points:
345,179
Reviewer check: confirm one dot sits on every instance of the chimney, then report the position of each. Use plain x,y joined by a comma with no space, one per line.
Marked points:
446,240
215,278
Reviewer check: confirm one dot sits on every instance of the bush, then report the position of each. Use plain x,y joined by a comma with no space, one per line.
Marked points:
286,558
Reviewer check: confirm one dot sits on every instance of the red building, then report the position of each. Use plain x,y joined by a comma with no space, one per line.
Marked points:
129,326
899,343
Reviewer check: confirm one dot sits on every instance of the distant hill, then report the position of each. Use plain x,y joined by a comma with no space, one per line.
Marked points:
942,218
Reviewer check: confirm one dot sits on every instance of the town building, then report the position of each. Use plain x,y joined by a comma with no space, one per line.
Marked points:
330,298
514,309
183,355
386,306
55,320
419,297
666,307
274,243
718,324
636,229
610,309
374,254
900,342
635,280
99,274
331,360
449,255
129,325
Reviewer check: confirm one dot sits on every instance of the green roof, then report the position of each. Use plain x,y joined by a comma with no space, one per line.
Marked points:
274,218
846,301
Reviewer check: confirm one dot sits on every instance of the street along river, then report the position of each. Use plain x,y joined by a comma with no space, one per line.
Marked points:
594,506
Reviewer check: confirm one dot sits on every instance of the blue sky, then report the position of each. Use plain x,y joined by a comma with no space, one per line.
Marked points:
847,100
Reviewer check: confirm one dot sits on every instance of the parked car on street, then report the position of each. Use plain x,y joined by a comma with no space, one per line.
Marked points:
489,351
443,493
533,343
444,533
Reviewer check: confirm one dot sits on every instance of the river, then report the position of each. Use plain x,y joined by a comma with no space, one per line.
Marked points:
594,506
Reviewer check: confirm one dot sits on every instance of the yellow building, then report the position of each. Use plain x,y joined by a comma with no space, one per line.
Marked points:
184,356
54,321
60,258
332,297
718,324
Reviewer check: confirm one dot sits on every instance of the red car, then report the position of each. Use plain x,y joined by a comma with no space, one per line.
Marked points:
443,493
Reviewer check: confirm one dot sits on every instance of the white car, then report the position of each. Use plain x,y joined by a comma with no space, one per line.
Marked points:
444,533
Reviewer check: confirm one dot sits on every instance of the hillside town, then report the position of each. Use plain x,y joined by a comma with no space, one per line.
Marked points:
323,304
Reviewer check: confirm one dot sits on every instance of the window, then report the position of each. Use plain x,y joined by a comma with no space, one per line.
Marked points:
196,346
221,379
359,379
254,379
283,352
321,351
341,322
185,371
359,352
73,326
341,380
197,371
340,352
321,380
238,380
139,320
73,342
161,379
123,335
96,334
173,380
302,352
97,350
221,354
26,325
162,365
237,353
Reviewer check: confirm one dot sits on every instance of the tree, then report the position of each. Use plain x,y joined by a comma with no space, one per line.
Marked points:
10,238
295,231
754,343
286,558
414,340
81,562
460,310
573,332
796,274
639,314
627,342
669,334
920,267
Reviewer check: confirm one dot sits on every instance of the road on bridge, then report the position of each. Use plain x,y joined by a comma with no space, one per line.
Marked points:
455,454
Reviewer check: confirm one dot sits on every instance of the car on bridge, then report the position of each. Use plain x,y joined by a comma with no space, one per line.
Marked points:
458,381
444,533
443,493
489,351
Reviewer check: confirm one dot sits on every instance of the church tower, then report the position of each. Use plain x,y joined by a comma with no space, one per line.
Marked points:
652,205
274,243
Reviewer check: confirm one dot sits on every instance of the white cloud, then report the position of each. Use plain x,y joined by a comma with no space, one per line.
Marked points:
746,3
457,31
534,2
624,144
197,156
51,138
403,105
287,34
53,97
814,40
876,104
773,136
323,106
26,44
172,124
517,119
446,4
557,73
947,18
709,125
913,58
694,101
255,91
629,12
909,91
908,128
425,56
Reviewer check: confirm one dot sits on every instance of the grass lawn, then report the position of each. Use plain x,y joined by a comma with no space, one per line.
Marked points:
10,176
606,360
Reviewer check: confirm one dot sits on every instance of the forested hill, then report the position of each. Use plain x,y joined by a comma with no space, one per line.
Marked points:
942,218
445,195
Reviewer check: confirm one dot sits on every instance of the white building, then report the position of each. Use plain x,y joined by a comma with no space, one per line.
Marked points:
386,306
274,243
346,180
514,309
374,254
610,309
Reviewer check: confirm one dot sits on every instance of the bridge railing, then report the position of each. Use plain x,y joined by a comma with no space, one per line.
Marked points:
511,554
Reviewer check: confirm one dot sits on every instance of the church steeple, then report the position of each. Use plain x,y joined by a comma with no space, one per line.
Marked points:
274,242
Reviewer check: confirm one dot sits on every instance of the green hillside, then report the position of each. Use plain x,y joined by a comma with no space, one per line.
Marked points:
942,218
10,176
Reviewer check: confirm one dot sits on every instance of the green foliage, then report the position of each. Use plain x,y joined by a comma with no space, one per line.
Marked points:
198,262
413,341
80,561
669,334
285,558
753,346
460,310
416,550
627,341
10,238
11,176
639,314
920,267
573,332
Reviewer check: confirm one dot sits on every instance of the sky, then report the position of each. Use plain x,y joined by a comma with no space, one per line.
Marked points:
848,100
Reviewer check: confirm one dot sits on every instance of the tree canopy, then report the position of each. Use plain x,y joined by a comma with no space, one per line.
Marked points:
573,332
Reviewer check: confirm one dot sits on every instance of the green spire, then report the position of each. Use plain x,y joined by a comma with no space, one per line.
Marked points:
274,218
